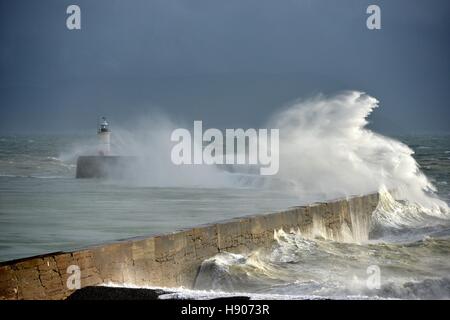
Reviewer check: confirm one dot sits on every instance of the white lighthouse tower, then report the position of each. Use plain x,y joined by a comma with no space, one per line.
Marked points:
104,137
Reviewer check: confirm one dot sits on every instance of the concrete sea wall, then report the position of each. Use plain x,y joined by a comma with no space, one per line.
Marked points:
173,259
104,166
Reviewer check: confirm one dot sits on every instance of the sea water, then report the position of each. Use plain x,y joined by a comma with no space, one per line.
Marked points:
43,208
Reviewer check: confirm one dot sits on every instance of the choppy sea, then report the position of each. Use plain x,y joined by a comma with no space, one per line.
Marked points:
43,208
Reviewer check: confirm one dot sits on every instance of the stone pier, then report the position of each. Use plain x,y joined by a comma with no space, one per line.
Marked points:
173,259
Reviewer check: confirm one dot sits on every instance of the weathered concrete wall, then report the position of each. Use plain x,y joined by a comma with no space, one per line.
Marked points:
173,259
104,166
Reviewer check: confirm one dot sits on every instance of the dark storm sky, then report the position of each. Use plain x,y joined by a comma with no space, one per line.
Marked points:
230,63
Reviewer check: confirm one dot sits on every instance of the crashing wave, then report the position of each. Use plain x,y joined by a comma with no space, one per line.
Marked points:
392,214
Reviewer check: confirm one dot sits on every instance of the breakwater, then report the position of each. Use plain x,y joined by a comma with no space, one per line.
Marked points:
103,166
173,259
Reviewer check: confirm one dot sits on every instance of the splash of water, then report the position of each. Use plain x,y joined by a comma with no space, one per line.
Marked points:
326,148
297,266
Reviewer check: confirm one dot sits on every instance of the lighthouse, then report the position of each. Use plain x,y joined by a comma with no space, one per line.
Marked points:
103,164
104,138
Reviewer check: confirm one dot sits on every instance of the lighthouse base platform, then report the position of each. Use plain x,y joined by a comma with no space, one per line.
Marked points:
103,166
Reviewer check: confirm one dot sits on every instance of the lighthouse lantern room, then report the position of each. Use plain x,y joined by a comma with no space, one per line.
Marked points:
104,136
